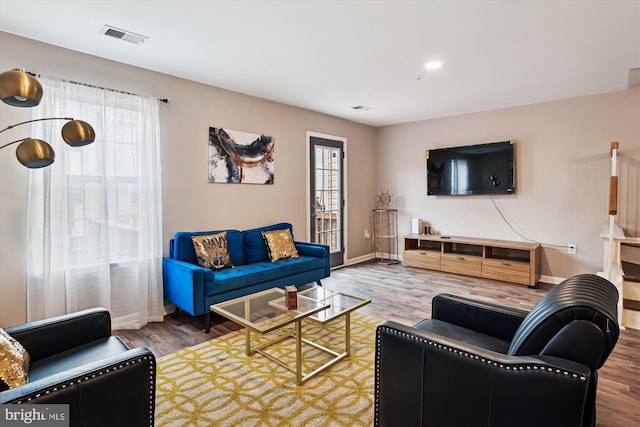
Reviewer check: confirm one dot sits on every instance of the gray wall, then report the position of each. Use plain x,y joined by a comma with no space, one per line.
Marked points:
562,173
189,201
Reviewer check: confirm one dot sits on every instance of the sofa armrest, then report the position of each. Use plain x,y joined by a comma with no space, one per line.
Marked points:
484,317
319,250
426,379
117,390
44,338
183,284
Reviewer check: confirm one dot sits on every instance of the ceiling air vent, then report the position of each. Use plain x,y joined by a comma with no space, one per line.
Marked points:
118,33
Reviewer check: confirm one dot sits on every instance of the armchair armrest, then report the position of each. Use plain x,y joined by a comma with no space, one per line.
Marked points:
117,390
426,379
43,338
488,318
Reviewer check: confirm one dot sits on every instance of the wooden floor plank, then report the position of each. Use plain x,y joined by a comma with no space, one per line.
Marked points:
404,294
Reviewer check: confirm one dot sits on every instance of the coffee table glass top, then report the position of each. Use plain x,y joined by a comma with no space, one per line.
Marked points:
265,311
339,303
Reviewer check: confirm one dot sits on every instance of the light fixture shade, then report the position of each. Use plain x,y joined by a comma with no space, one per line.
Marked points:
20,89
77,133
35,153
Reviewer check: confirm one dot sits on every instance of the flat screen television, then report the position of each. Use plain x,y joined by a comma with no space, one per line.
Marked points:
472,169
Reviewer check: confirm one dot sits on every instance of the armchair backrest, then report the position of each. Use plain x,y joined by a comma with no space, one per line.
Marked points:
577,316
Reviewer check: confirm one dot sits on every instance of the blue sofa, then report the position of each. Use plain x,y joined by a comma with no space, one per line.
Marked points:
193,288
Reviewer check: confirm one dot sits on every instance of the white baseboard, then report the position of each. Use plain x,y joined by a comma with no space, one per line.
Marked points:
357,260
169,308
551,279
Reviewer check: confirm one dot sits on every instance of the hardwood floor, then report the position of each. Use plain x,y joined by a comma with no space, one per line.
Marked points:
404,295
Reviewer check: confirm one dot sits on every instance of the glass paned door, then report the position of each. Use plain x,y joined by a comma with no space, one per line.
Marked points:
327,204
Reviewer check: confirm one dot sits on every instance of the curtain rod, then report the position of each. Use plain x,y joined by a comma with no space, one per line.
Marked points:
163,100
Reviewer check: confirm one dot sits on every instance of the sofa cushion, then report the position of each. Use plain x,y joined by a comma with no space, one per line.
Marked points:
212,251
279,244
255,249
260,272
183,249
14,362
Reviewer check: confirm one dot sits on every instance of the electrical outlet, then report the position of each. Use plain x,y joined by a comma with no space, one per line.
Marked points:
366,234
572,248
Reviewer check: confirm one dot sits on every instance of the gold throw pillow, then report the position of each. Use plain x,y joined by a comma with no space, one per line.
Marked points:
280,244
14,361
212,251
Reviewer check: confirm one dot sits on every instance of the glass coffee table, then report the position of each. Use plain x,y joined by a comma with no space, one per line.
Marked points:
265,312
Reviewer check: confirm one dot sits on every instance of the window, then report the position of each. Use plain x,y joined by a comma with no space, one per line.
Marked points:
95,215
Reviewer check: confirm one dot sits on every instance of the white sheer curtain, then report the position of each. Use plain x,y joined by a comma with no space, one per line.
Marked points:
94,216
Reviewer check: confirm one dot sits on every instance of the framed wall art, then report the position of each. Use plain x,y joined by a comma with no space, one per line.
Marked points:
240,157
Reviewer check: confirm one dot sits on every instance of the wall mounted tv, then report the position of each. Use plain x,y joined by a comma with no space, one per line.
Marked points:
472,169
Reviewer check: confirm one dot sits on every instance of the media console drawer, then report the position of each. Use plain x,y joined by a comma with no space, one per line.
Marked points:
469,265
506,270
422,259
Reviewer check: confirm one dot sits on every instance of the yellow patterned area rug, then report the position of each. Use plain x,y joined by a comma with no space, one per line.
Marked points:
216,384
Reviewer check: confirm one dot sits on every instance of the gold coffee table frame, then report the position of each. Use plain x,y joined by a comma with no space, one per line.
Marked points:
265,312
340,304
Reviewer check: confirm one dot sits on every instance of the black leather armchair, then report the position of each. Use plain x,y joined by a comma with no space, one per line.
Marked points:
76,361
480,364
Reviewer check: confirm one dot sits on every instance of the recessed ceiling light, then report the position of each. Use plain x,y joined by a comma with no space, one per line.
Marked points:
433,65
361,108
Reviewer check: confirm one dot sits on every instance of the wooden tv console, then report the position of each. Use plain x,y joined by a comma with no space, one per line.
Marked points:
515,262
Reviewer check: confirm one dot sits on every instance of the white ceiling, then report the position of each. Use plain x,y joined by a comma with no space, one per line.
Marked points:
331,55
